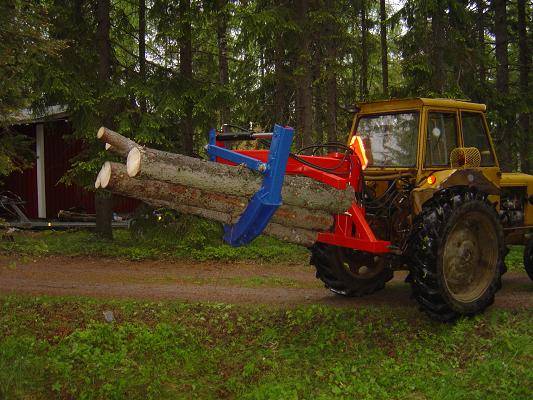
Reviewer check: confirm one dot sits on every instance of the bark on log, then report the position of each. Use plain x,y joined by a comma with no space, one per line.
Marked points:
113,177
220,178
298,236
115,142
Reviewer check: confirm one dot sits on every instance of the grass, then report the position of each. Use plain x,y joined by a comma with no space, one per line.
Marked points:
201,243
515,258
63,348
197,240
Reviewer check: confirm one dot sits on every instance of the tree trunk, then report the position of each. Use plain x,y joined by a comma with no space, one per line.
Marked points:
502,42
304,103
480,8
103,199
225,209
142,51
384,48
237,181
114,177
503,138
331,79
281,93
223,76
115,142
302,237
524,65
187,125
437,30
364,52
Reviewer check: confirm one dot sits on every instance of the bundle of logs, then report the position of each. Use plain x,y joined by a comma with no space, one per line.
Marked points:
217,191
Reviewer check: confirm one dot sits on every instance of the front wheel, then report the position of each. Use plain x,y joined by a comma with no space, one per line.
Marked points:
348,272
457,252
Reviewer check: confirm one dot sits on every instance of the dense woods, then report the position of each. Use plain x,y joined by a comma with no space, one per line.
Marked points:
163,72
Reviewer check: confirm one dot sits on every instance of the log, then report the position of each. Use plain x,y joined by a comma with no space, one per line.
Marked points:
65,215
113,177
115,142
233,180
302,237
214,177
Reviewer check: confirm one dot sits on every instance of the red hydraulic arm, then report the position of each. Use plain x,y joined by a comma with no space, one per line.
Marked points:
351,228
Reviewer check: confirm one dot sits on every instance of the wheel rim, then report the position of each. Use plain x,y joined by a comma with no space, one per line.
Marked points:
361,265
470,257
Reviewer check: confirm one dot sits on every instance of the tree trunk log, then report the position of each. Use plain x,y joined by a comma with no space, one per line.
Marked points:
115,142
302,237
225,209
240,181
113,177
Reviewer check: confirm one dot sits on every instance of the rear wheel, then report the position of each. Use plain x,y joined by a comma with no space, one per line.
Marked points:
528,258
457,254
348,272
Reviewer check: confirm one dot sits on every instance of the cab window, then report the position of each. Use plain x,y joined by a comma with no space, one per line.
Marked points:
390,140
441,138
474,135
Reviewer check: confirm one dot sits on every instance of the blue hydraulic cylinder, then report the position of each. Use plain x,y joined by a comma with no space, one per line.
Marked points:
267,199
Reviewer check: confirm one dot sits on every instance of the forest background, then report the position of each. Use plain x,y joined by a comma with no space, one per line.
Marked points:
164,72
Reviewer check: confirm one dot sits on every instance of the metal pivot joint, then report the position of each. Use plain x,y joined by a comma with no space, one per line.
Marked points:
267,199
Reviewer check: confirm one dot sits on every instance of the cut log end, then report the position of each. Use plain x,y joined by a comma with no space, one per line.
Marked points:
133,163
100,132
105,175
108,146
97,183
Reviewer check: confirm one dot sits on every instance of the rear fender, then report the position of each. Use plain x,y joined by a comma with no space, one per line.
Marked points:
468,178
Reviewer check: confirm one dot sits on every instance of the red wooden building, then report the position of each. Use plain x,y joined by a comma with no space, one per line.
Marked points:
39,185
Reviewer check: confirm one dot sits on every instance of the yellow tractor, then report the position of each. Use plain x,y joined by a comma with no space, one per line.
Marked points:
433,188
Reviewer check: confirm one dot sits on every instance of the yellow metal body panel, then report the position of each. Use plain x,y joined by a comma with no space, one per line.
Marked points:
417,103
520,180
422,105
420,172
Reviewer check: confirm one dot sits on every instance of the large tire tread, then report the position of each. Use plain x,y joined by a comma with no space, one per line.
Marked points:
430,229
330,271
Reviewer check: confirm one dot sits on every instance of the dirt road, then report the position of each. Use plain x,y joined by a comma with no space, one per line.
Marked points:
237,283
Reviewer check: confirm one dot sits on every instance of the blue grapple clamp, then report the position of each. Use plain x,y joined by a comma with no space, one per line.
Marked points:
267,199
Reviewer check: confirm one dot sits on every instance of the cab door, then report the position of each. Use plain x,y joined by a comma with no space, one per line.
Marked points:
475,133
440,137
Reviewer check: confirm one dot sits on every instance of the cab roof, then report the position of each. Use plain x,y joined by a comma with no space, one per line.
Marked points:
404,104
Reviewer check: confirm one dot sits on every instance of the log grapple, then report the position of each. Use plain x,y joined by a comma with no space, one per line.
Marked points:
338,170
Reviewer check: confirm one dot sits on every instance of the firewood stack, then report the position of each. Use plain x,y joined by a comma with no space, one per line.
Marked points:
217,191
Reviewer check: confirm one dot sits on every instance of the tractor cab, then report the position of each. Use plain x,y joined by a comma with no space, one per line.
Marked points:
426,142
420,135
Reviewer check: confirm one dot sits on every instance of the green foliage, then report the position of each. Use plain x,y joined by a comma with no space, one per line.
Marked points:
24,49
15,153
50,56
175,350
116,361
